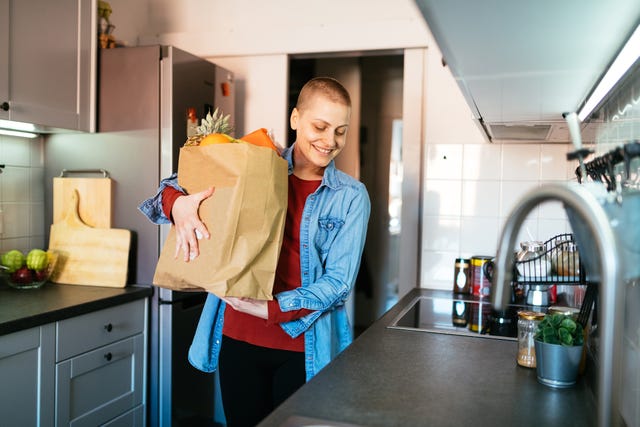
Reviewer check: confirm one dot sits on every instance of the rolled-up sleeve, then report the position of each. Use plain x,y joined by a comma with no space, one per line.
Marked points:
152,207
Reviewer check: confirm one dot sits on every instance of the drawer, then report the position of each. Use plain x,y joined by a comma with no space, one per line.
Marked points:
92,330
100,385
133,418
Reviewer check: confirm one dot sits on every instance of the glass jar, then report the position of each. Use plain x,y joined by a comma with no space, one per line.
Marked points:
568,261
461,278
527,325
532,260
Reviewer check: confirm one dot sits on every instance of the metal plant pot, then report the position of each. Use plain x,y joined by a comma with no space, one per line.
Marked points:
557,365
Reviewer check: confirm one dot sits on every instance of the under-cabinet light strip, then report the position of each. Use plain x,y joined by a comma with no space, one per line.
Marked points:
18,133
625,59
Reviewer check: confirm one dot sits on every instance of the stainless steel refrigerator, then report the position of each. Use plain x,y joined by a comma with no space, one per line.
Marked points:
144,96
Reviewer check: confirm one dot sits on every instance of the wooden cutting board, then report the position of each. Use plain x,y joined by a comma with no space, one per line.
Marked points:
88,255
95,197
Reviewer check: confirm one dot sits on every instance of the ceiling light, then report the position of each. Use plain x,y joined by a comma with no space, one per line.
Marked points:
625,59
19,133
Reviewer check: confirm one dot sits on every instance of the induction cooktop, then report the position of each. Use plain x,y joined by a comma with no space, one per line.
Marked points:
463,316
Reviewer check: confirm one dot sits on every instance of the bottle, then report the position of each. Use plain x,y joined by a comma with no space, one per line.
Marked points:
527,325
461,279
192,122
459,313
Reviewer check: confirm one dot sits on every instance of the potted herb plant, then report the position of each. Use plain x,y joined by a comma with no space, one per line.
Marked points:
558,343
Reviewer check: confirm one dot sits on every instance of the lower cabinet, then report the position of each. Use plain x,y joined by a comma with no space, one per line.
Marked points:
94,364
100,367
27,377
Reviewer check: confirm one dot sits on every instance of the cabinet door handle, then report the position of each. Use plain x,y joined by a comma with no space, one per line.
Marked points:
108,327
108,356
4,106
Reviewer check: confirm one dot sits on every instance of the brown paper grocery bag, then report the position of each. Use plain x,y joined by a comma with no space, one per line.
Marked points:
245,217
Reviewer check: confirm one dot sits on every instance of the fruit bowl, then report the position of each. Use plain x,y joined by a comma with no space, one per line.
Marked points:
18,275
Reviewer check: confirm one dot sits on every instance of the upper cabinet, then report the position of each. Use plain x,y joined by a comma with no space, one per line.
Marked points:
522,64
48,54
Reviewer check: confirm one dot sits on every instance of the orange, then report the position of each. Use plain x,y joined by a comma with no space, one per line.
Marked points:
216,138
261,138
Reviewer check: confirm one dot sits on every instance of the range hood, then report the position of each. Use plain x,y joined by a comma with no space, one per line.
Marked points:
522,64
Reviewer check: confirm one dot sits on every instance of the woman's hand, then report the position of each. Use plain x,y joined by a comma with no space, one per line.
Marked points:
188,225
254,307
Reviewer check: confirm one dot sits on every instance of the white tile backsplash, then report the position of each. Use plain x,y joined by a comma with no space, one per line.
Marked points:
441,233
22,193
512,192
15,151
442,197
521,162
481,198
438,269
444,161
479,235
552,210
464,210
481,162
553,162
15,184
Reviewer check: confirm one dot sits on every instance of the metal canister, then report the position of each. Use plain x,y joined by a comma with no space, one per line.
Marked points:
461,277
479,317
480,283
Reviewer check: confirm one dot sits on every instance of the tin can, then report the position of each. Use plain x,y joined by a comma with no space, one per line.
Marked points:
480,283
479,317
461,277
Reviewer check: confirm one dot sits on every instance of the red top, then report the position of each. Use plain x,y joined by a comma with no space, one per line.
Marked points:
251,329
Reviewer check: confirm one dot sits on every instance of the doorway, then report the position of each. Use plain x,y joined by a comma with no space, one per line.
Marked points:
373,154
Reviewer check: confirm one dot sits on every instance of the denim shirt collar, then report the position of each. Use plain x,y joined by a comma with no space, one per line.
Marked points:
330,178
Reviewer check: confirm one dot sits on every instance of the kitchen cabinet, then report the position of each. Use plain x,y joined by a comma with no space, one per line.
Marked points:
100,367
88,369
27,375
48,54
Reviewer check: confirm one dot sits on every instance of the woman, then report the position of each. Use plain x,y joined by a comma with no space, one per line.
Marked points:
267,349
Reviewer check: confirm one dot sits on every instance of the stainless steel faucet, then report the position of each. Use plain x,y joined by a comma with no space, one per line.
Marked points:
590,212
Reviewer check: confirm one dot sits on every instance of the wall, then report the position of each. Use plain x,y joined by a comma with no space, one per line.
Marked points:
470,185
462,200
620,124
21,193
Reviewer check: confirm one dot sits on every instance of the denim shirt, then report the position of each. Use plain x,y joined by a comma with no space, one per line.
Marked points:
332,235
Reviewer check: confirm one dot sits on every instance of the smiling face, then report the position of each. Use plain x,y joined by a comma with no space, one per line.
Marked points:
321,124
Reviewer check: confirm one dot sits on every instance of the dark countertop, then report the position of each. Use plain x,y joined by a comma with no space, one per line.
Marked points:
27,308
394,377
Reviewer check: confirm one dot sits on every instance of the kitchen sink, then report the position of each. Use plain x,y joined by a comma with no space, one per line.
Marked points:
458,316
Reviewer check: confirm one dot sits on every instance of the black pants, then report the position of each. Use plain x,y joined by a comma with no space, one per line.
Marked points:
255,380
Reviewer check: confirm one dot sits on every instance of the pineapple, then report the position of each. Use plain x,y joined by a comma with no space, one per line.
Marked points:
216,123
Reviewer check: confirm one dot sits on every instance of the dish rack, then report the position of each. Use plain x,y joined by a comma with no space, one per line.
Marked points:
558,263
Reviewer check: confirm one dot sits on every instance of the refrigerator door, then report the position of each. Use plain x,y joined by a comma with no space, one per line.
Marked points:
186,82
144,95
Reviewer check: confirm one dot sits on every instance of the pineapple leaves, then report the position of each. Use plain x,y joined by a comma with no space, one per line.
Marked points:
215,123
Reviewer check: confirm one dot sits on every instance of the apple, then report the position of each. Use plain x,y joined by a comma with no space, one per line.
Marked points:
22,276
41,275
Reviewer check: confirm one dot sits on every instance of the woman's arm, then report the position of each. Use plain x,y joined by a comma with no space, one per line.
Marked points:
183,214
341,268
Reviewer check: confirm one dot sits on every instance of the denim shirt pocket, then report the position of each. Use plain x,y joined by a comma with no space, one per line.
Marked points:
328,228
